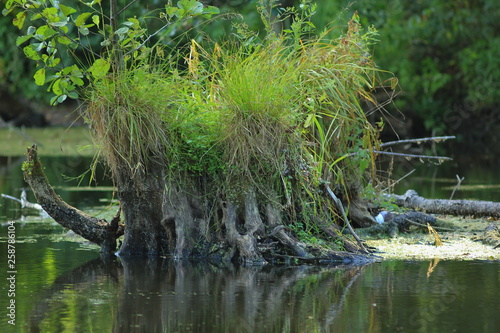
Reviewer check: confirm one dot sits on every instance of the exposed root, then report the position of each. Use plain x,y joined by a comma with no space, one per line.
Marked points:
279,232
246,244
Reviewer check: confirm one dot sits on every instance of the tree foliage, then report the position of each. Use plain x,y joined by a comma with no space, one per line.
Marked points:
443,53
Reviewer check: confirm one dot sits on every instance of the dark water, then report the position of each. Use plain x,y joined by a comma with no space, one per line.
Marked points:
479,175
62,285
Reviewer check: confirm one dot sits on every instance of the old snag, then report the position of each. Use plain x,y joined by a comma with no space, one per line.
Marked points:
96,230
412,200
178,212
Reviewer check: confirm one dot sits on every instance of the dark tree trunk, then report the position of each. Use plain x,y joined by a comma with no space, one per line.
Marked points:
184,216
141,198
243,242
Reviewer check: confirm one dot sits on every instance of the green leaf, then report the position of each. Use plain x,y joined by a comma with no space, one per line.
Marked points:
80,20
66,10
49,13
135,22
40,77
38,46
59,24
210,10
31,53
8,4
171,11
61,98
99,68
58,99
21,39
56,87
18,21
53,62
196,9
45,31
190,7
122,31
96,19
63,40
77,81
83,30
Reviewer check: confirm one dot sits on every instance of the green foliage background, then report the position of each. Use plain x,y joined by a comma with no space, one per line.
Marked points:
444,53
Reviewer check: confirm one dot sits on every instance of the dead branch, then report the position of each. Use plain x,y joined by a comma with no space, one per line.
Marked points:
339,205
412,200
96,230
418,140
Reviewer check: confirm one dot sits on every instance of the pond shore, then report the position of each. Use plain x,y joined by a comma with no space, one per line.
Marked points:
462,244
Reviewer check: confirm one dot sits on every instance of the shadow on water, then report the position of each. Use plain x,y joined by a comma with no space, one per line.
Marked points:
148,295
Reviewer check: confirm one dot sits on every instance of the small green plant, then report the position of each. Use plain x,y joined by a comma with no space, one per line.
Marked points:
51,36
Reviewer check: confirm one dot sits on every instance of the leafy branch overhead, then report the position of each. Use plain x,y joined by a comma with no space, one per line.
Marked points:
55,30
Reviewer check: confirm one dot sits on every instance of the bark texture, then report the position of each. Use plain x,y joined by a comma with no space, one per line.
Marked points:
412,200
96,230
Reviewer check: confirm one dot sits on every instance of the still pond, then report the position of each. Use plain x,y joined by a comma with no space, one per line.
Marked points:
62,285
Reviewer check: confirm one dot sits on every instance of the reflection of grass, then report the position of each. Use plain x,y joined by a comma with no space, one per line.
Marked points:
52,141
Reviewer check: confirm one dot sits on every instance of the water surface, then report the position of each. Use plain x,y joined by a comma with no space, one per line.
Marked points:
62,284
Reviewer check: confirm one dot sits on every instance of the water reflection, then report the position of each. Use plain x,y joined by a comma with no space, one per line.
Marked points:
147,295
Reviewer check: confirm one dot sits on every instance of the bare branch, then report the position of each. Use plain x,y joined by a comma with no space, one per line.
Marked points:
418,140
440,158
339,205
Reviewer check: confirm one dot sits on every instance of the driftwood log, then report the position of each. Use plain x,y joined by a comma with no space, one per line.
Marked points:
96,230
412,200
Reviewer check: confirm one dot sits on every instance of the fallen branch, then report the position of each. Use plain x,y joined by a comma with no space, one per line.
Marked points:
400,223
339,205
439,158
96,230
418,140
412,200
460,180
